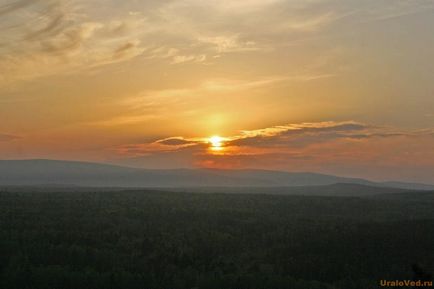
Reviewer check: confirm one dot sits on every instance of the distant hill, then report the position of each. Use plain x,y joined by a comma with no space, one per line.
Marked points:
69,173
334,190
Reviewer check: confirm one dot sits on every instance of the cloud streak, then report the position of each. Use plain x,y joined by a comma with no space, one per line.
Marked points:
53,36
15,5
331,147
284,137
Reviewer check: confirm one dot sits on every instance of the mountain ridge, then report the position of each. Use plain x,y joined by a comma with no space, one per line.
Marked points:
59,172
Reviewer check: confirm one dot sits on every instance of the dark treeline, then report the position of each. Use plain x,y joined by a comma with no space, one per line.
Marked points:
161,240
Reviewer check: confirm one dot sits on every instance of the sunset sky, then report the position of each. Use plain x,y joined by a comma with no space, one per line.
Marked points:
338,87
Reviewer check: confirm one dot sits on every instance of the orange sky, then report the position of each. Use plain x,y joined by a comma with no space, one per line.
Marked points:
326,86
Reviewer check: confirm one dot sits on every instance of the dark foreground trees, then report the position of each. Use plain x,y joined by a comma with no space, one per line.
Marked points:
162,240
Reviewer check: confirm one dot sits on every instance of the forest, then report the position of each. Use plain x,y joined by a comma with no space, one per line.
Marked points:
175,240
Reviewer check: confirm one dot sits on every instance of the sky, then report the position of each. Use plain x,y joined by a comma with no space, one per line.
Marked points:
337,87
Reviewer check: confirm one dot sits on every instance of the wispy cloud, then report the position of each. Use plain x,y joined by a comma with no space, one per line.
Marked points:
59,36
170,144
299,134
229,43
14,5
62,36
399,9
48,37
176,141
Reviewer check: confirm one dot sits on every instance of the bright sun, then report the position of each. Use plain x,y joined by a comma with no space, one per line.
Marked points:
215,141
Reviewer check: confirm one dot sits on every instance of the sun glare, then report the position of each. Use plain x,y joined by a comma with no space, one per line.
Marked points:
216,141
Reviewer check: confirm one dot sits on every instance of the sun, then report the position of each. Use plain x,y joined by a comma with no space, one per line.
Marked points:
216,144
216,141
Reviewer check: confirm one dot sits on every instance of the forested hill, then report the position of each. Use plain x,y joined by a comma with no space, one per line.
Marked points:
156,240
336,190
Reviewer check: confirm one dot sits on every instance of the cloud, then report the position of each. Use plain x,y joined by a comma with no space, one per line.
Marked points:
52,27
229,43
54,36
399,9
15,5
177,59
267,139
170,144
70,40
174,55
176,141
128,50
304,135
299,134
308,24
329,147
49,37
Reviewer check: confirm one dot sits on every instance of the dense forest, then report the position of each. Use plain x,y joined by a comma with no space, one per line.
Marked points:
164,240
